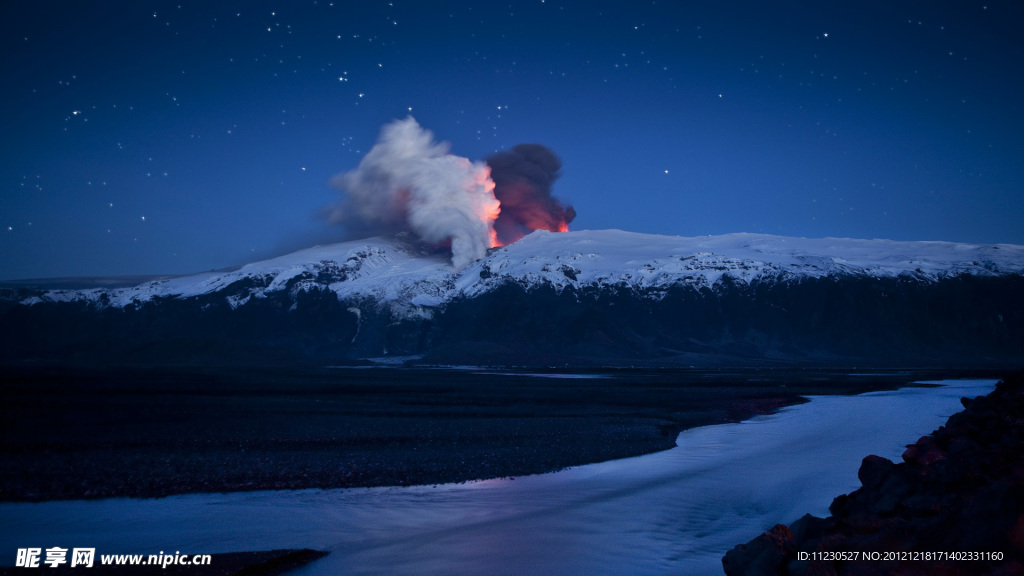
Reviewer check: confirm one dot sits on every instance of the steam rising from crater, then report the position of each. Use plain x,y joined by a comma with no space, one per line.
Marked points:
410,182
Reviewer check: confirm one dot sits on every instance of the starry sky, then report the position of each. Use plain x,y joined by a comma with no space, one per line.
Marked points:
174,137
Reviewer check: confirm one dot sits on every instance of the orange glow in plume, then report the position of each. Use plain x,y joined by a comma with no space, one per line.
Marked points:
491,210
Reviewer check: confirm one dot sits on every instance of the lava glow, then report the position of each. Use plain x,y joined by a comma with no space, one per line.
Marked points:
491,209
511,234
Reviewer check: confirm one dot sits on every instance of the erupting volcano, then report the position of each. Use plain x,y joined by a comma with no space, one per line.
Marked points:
410,182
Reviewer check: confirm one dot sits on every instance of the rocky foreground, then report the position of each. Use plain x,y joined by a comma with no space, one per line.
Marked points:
955,505
152,431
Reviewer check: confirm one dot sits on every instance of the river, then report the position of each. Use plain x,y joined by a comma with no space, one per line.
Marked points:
673,512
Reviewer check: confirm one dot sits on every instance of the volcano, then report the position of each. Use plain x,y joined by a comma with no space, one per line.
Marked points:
587,298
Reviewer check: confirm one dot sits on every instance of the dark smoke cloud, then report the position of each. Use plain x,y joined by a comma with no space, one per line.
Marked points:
523,177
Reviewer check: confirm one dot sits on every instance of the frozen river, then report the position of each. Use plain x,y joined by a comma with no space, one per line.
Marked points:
674,512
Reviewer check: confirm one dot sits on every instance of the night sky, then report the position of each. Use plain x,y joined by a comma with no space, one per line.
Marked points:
175,137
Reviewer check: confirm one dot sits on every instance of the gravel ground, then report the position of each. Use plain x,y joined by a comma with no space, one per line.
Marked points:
97,432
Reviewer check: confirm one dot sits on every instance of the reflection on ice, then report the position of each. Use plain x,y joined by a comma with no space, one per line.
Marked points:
675,512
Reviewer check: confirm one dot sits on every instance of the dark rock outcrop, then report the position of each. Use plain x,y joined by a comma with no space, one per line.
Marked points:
955,505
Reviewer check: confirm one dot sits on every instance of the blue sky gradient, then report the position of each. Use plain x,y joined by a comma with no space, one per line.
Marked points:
175,137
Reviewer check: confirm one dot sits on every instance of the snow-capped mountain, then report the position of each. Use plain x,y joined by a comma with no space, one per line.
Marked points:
401,274
398,297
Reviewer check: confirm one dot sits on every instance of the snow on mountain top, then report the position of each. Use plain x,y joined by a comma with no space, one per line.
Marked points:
645,260
401,275
616,250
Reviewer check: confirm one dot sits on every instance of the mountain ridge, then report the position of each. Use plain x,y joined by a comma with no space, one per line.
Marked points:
580,258
576,297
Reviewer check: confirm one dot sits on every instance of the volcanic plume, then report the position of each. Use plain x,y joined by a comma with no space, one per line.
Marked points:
410,182
523,177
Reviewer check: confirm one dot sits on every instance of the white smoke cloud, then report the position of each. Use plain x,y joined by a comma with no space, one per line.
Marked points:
408,181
